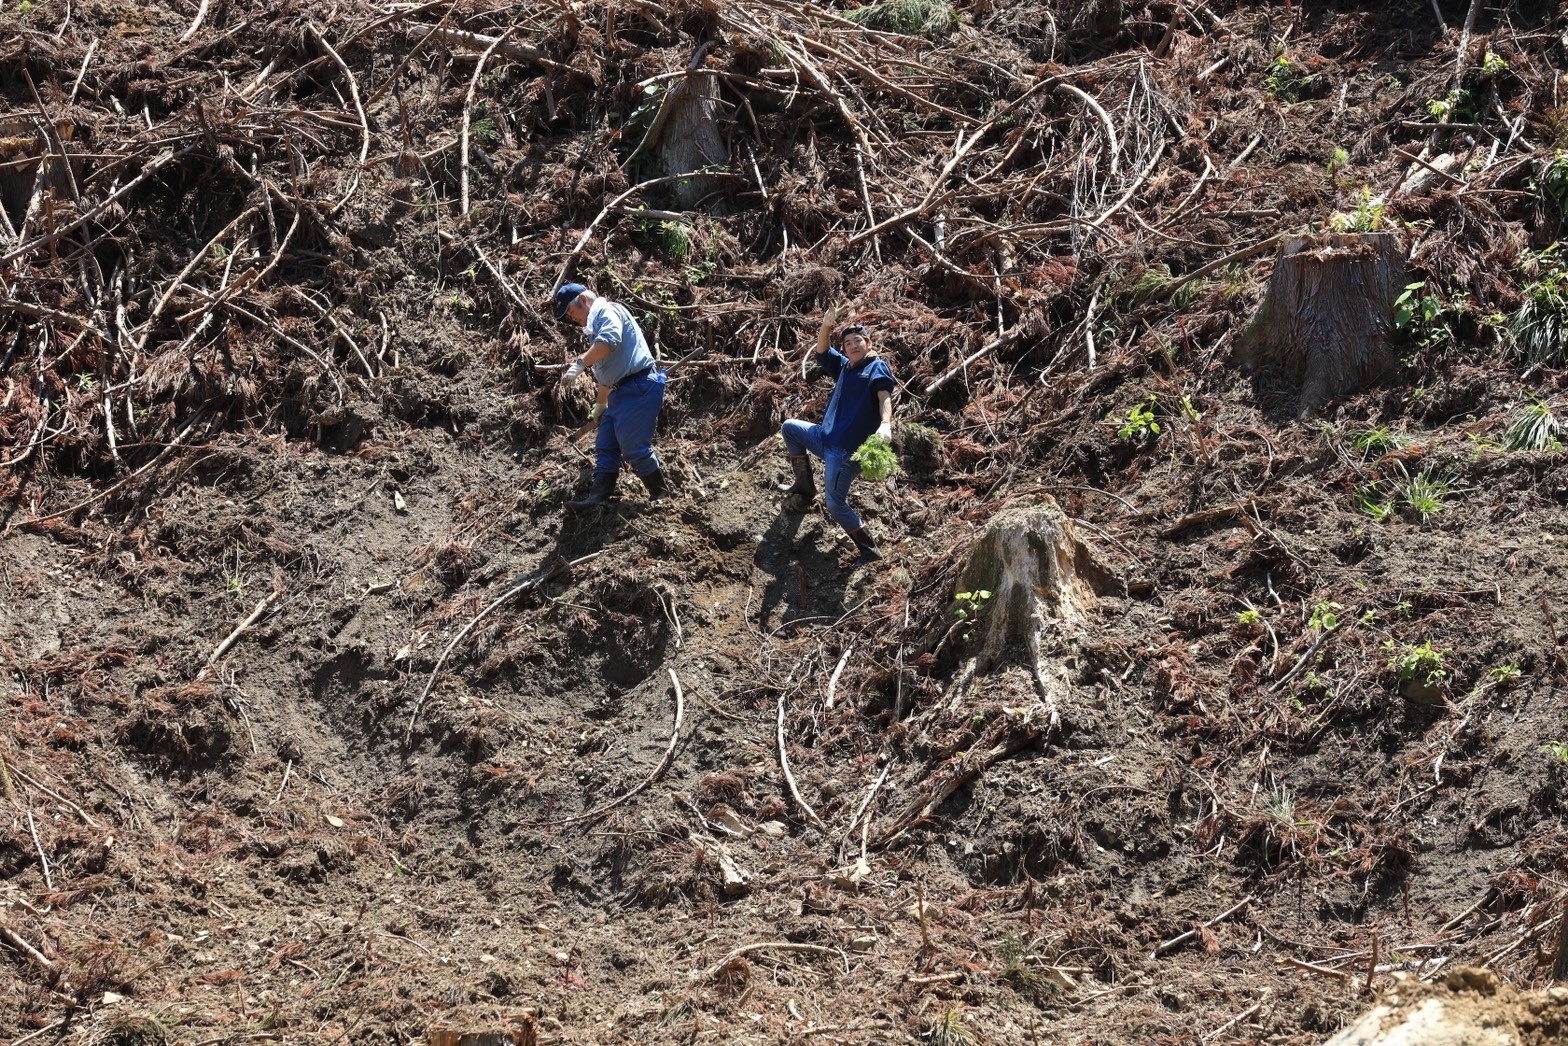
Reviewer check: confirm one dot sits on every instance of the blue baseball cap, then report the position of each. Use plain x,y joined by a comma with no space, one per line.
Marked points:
564,297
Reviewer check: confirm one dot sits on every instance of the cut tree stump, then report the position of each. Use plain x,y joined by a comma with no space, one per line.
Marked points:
689,139
1469,1007
1328,316
1041,577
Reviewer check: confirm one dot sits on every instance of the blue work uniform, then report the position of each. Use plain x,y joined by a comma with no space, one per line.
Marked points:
636,391
854,413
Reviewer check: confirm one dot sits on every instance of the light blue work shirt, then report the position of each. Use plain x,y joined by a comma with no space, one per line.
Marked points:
610,322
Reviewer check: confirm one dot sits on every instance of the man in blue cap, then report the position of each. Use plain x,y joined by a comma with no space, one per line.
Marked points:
630,391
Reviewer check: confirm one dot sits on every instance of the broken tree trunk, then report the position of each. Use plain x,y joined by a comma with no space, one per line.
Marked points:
1328,315
688,137
1040,577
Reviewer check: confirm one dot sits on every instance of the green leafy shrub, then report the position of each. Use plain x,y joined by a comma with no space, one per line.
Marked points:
1533,428
1536,333
922,446
909,17
1367,216
1139,423
875,458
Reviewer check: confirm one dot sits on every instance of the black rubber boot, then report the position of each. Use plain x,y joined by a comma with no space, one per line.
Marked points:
868,548
804,487
656,485
598,493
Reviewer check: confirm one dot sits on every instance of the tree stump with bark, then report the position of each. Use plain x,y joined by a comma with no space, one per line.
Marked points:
689,139
1327,318
1041,577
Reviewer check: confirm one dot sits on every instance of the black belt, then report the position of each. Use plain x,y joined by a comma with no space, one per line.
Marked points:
633,377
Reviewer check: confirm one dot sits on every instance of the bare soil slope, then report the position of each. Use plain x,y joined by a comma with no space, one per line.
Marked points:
280,422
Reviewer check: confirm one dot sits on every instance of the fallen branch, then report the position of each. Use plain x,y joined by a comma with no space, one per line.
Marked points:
658,771
43,861
233,637
789,778
985,350
968,767
468,108
17,941
524,586
833,682
767,946
52,794
1190,934
1218,264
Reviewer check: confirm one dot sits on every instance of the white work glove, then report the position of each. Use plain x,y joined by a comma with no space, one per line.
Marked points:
572,370
885,432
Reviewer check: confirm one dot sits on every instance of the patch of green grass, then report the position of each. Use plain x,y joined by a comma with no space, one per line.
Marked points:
909,17
1420,495
1533,428
1551,184
1338,160
922,445
1538,333
947,1029
1376,442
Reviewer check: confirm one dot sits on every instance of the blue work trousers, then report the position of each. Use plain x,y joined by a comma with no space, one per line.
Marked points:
839,472
626,427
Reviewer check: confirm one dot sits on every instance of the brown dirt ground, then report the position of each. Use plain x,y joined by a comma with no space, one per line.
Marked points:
252,852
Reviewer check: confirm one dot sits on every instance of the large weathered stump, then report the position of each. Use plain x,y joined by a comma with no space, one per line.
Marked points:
1041,578
689,138
1470,1007
1327,319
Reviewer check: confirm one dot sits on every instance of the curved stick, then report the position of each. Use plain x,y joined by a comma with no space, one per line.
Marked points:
502,598
664,764
789,778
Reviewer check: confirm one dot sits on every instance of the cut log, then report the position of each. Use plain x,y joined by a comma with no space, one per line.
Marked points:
1041,578
1328,316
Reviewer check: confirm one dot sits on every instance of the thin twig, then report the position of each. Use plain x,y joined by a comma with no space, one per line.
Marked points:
789,778
523,586
767,946
1180,938
468,106
43,861
56,796
658,771
223,647
833,682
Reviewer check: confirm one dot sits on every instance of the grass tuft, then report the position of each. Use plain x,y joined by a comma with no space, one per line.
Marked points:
909,17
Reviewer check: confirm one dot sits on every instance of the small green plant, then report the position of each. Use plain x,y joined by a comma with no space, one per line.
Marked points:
1557,751
673,239
1338,160
25,6
1493,66
85,382
1441,109
1250,616
485,131
1324,616
1139,424
1551,184
1376,442
1367,216
1369,501
909,17
1534,428
541,493
1282,79
947,1029
967,608
1016,953
1505,676
1423,319
1422,494
1537,335
1422,664
875,458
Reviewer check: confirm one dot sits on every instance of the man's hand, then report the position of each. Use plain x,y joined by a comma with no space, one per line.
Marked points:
830,317
884,432
572,371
